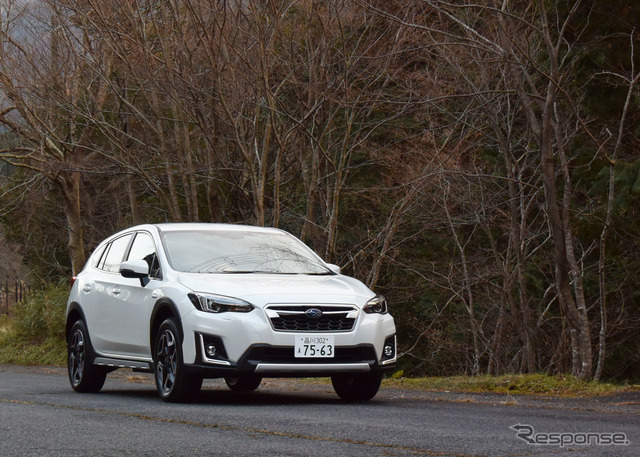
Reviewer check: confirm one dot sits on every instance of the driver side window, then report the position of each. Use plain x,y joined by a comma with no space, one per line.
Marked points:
143,248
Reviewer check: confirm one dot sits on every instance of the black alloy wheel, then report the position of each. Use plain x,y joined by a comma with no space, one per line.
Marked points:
173,384
83,375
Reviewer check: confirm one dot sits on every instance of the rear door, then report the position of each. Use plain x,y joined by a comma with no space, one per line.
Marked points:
103,319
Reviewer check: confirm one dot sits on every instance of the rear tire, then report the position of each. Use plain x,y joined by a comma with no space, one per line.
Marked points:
245,383
83,375
356,387
173,384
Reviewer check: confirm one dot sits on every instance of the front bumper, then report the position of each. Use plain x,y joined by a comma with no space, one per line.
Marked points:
279,361
245,335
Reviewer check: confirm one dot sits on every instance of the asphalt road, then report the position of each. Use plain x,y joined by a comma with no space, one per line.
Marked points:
41,415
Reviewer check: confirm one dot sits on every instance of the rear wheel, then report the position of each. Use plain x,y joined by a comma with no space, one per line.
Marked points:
173,384
83,375
244,383
357,387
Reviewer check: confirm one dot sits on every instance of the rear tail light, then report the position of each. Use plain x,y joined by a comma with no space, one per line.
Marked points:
73,279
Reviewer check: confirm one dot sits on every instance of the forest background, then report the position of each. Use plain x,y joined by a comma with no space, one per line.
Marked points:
477,162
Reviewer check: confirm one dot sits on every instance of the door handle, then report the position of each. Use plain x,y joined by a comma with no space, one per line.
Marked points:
116,291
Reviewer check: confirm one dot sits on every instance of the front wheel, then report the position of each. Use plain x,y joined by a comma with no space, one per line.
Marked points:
245,383
356,387
83,375
173,384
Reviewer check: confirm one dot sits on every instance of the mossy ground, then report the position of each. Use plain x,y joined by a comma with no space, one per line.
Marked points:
515,384
538,384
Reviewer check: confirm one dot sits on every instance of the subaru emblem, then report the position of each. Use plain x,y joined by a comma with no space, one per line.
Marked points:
313,312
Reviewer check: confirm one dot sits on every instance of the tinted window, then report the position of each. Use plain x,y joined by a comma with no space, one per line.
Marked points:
143,248
116,253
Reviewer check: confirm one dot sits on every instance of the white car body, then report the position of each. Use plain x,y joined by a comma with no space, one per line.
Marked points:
122,315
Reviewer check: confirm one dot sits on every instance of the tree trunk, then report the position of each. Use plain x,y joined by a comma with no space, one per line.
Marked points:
467,294
543,124
133,202
70,187
310,173
518,219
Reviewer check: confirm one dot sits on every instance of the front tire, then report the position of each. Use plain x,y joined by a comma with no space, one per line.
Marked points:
356,387
83,375
245,383
173,384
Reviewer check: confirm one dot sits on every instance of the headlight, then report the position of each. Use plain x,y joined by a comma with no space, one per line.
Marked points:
377,305
219,303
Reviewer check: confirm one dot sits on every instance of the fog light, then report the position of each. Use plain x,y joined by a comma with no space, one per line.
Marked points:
388,351
211,350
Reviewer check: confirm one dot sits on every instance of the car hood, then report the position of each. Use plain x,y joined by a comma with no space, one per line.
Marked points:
262,289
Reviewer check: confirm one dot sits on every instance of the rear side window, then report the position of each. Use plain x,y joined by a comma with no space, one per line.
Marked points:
97,256
115,254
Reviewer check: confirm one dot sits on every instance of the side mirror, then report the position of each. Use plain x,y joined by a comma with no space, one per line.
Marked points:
335,268
136,269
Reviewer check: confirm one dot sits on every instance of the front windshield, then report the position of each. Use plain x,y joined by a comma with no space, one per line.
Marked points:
232,251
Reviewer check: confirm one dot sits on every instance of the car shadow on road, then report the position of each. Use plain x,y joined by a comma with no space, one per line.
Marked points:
221,397
227,397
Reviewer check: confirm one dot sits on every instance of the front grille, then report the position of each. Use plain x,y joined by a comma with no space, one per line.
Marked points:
307,324
292,318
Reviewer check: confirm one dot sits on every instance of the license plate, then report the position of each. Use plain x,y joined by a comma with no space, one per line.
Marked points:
314,347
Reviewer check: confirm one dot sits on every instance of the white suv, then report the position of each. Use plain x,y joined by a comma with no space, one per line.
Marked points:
194,301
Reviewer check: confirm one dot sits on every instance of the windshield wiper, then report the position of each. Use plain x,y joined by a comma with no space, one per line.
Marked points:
246,272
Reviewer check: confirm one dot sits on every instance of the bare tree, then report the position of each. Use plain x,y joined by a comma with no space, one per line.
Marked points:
528,52
41,78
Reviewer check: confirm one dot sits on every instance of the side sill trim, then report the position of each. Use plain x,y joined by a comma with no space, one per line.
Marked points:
312,367
119,363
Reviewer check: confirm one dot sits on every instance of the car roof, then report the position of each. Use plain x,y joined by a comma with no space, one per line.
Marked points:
203,226
193,227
